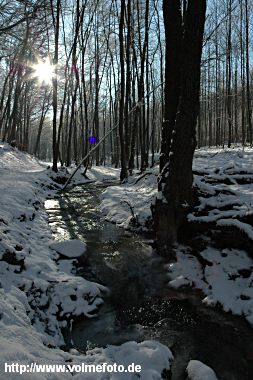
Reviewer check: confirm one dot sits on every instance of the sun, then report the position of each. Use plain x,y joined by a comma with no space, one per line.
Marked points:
43,71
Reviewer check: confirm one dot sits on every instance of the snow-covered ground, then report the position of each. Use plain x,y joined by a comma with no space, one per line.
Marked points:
121,204
225,182
227,282
95,174
38,294
228,181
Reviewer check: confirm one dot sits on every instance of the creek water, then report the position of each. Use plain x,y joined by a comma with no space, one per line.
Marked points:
140,306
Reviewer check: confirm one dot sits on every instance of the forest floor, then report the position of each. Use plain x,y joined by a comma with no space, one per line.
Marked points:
40,292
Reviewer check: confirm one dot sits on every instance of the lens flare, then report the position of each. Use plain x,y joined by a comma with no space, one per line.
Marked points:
43,71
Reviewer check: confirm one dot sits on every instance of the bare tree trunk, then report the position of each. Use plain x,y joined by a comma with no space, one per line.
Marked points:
175,182
123,173
128,78
44,111
228,76
55,80
248,95
74,84
242,47
173,34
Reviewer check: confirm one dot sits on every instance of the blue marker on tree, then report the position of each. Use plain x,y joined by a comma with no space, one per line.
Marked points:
92,140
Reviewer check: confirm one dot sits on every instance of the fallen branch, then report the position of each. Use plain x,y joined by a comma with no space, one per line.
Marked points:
131,208
143,175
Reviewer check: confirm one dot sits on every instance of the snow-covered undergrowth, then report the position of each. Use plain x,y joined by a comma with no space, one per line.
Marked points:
224,176
227,282
224,179
37,296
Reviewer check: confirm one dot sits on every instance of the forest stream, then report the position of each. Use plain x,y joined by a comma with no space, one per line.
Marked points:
140,306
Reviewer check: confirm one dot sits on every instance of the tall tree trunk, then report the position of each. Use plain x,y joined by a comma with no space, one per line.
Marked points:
44,111
128,77
74,84
123,173
229,75
175,197
55,81
96,111
248,95
173,35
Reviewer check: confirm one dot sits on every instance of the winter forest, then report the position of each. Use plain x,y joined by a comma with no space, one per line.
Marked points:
126,189
109,59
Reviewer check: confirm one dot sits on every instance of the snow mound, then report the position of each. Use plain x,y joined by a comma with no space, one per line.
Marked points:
197,370
153,357
70,248
76,296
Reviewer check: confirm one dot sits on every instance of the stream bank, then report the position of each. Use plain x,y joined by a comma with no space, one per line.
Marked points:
140,306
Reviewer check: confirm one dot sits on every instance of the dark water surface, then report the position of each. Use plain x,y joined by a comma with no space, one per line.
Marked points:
140,306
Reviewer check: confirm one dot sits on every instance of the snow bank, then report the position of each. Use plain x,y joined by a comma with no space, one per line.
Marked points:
27,263
196,370
225,178
38,295
228,282
244,227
